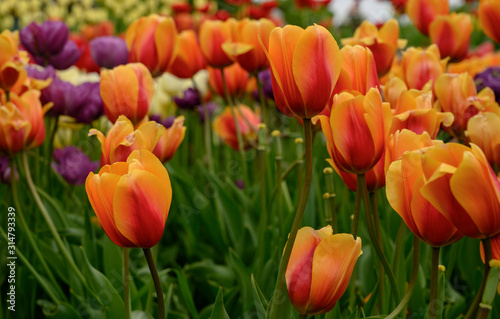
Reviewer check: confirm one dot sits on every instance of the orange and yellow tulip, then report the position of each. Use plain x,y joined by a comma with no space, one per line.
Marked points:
475,64
11,67
392,90
127,90
188,59
236,80
421,67
489,14
319,269
123,139
460,183
21,122
451,33
170,140
224,126
213,34
152,41
423,12
246,49
383,42
356,130
483,130
132,199
305,66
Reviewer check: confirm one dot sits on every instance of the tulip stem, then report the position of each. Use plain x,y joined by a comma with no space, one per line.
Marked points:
378,229
374,240
302,316
487,257
126,286
413,280
156,280
280,180
208,138
280,281
331,213
51,143
433,301
357,208
263,101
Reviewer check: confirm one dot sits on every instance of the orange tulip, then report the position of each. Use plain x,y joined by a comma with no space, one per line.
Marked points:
489,14
305,66
11,67
356,130
392,90
483,130
405,180
359,72
123,139
132,199
225,127
423,12
456,93
451,33
422,67
152,41
188,59
21,122
236,80
127,90
460,183
213,34
475,64
319,269
383,42
170,140
246,49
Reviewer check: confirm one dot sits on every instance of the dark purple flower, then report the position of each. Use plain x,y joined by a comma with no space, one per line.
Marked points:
85,103
41,73
212,107
73,164
489,78
267,86
167,122
67,57
59,93
189,101
5,176
109,52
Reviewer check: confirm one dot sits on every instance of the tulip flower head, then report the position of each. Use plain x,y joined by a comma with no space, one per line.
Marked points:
170,140
423,12
421,67
451,33
132,199
236,80
489,13
213,34
109,52
11,64
225,127
489,78
73,164
483,130
188,59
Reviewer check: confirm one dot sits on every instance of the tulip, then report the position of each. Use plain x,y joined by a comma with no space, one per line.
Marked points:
405,180
123,139
475,64
6,172
127,90
236,80
460,183
452,34
213,34
489,13
456,93
11,66
356,130
225,127
152,41
21,123
101,29
109,52
170,140
359,72
392,90
189,101
132,199
319,269
423,12
188,60
305,66
383,42
489,78
86,61
73,164
422,67
483,129
246,49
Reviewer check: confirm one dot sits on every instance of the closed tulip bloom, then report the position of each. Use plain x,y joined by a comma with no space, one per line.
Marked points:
127,90
423,12
11,67
451,33
460,183
356,130
152,41
383,42
225,127
123,139
320,268
483,129
236,80
21,123
170,140
246,49
132,199
109,52
404,181
359,72
392,90
489,13
188,60
305,66
422,67
213,34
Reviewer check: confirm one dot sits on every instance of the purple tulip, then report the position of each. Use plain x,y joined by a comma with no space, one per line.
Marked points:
189,101
5,171
67,57
167,122
267,87
85,103
109,52
73,164
489,78
41,73
212,107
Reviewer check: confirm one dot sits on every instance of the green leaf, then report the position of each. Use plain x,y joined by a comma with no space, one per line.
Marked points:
138,314
441,291
112,256
186,293
490,290
219,312
61,311
260,300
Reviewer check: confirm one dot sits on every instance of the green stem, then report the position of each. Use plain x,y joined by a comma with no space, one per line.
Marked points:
279,159
373,238
413,280
126,286
280,281
302,316
300,154
399,247
156,280
280,180
51,145
261,153
357,208
208,138
378,229
487,257
331,214
263,101
433,301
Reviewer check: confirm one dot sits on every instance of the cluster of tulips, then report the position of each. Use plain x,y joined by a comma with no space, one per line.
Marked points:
421,123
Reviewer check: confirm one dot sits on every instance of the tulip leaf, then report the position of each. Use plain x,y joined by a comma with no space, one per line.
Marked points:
219,312
490,289
260,300
441,291
186,293
113,262
137,314
61,311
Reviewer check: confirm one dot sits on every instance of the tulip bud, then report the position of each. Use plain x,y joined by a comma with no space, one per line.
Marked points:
109,52
423,12
452,34
225,127
489,14
213,34
170,140
188,59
